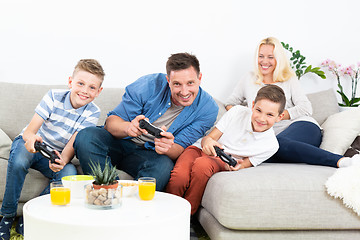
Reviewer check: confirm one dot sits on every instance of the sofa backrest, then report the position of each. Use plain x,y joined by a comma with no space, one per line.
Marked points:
18,102
324,104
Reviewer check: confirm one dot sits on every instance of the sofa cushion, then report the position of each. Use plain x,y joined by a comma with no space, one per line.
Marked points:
340,130
5,145
27,96
324,104
276,196
18,102
108,99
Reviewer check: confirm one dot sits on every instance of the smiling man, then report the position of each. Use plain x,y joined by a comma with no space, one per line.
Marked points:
174,102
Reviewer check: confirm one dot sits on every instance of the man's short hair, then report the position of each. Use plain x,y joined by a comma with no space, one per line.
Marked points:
181,61
90,65
273,93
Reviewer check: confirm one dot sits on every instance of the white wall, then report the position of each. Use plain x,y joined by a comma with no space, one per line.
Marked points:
42,40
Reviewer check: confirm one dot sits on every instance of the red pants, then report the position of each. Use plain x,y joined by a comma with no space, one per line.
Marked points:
191,173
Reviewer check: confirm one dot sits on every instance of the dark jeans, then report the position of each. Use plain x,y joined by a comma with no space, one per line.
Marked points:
299,143
96,144
20,161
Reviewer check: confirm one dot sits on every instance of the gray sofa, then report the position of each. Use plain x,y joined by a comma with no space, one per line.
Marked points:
271,201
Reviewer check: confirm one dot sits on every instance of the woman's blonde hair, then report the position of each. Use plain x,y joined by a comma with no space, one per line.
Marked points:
283,70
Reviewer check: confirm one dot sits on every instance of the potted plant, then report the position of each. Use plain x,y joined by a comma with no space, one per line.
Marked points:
105,178
298,63
350,71
105,191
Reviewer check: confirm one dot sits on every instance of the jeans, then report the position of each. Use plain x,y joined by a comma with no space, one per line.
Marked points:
299,143
20,161
96,144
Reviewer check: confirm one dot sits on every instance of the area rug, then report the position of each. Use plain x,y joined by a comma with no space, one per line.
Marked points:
345,184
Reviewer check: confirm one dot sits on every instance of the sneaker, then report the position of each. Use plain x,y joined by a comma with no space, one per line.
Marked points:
20,226
5,226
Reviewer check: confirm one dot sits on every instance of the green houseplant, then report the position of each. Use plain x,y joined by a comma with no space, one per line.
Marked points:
103,177
105,192
299,65
346,72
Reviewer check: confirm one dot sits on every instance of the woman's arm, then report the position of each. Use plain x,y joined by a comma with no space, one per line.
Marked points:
300,104
238,96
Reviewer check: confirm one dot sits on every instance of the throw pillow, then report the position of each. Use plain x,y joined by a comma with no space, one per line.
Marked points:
5,145
324,104
340,130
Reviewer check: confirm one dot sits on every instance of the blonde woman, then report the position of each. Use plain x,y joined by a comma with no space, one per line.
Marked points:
299,135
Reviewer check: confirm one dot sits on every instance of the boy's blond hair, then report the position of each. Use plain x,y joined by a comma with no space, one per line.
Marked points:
90,65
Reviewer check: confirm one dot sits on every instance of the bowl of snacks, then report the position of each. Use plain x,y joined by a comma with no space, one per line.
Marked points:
130,187
76,184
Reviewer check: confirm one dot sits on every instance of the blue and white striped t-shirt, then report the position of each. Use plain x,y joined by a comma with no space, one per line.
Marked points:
61,119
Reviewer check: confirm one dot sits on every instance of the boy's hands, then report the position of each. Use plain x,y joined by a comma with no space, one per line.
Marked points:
237,167
242,163
208,146
56,167
30,143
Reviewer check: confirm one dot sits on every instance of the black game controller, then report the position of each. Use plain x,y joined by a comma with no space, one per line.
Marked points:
46,151
225,157
155,131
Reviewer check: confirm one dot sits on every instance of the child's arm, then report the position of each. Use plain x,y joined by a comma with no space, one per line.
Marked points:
68,152
66,155
29,134
242,163
209,141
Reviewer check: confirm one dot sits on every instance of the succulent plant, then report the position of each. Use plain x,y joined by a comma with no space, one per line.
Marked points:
107,176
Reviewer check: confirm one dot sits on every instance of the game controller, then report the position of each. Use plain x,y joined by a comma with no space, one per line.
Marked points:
155,131
46,151
225,157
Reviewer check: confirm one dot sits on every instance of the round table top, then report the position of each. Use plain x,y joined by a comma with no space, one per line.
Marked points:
133,211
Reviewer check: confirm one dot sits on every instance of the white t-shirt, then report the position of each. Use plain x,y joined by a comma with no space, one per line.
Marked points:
239,139
297,104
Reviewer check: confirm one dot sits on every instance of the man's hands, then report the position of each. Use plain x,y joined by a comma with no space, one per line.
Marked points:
162,145
133,129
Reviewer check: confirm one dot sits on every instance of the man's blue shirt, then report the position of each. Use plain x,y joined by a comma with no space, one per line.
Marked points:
150,96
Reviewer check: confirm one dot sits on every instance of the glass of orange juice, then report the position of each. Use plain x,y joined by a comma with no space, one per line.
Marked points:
147,187
59,194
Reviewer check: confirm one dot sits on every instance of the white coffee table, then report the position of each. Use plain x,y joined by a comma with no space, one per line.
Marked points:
165,217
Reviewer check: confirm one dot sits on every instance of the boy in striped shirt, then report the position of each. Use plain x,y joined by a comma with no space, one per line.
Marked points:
58,118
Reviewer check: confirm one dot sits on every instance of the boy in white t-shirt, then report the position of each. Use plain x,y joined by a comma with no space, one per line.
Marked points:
244,133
